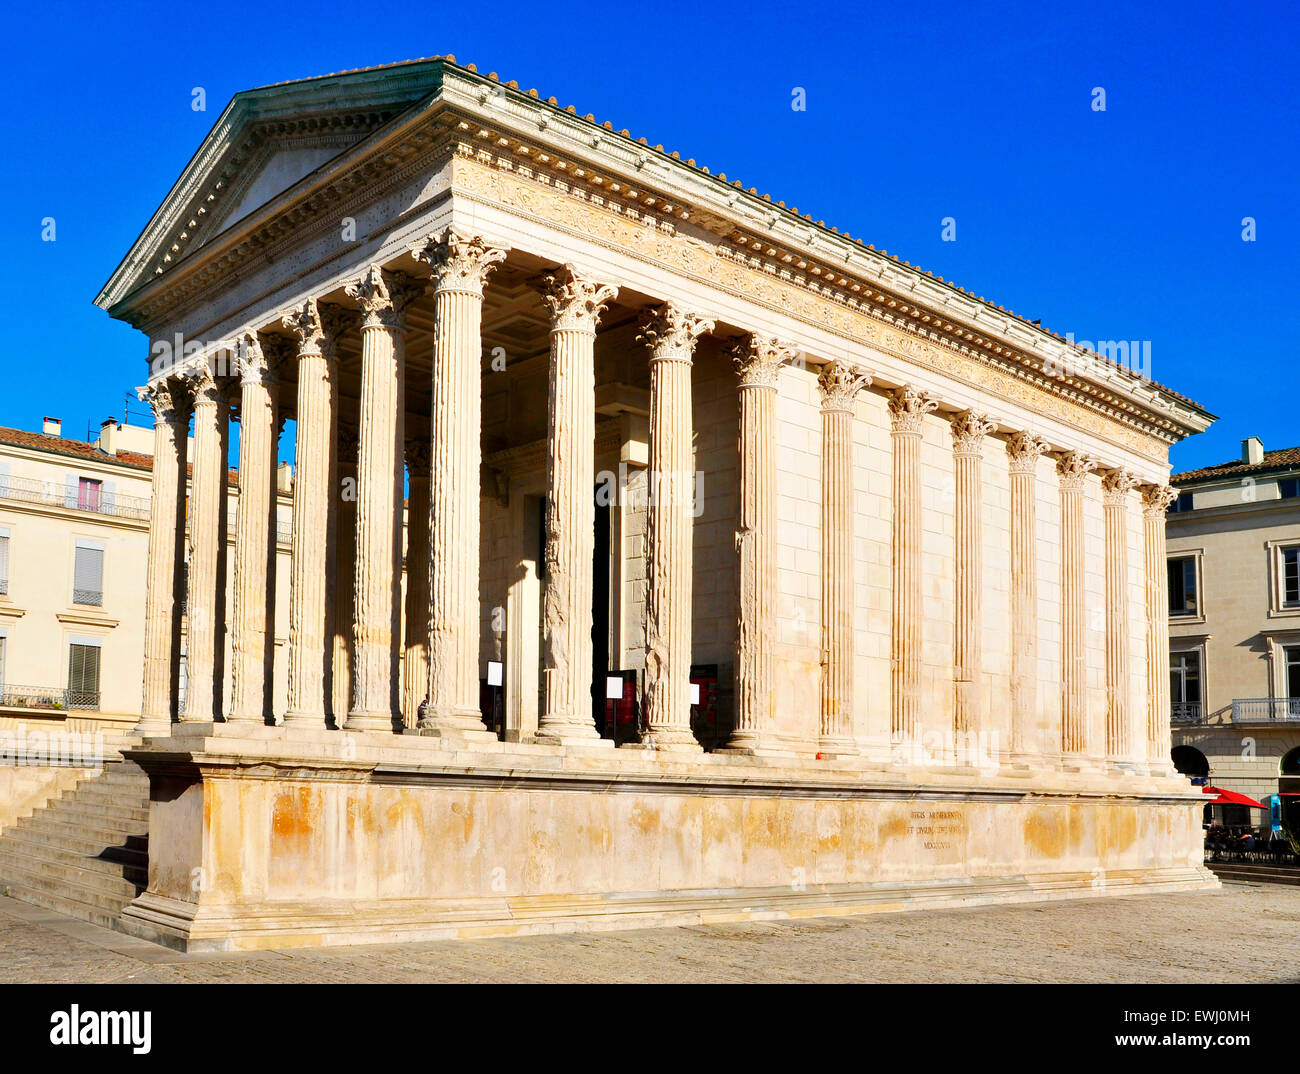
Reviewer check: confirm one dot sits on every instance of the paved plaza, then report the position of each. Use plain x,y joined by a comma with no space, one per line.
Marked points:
1245,933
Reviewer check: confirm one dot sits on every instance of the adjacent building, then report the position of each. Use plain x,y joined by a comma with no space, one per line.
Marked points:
1233,536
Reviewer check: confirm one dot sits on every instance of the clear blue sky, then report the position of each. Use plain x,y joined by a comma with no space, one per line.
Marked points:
1123,224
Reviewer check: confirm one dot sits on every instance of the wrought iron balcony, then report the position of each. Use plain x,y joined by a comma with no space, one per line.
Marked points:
29,490
50,699
1182,713
1265,709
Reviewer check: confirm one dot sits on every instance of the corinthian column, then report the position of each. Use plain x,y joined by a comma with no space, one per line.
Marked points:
907,409
839,383
1029,736
576,305
344,568
1073,468
308,577
759,361
162,638
205,644
968,432
1116,485
254,533
670,334
450,602
1155,502
415,661
383,298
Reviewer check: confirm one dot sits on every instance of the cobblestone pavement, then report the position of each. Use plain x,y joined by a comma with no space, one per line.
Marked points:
1245,932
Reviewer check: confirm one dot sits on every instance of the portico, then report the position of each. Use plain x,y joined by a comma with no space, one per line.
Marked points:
911,561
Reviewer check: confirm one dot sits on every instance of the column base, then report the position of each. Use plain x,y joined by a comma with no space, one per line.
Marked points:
756,744
300,718
828,749
455,726
668,740
373,721
154,726
572,734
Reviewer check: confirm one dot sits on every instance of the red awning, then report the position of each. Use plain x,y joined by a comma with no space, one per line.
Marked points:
1231,798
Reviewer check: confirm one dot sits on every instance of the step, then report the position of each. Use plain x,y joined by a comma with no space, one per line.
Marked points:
104,877
57,861
69,907
110,897
83,846
96,813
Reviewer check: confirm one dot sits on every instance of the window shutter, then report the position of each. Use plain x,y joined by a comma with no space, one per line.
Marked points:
4,562
88,576
70,493
109,504
83,676
4,479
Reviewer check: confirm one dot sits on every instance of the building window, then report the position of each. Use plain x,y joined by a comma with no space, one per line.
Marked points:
1185,686
90,494
1291,671
1182,586
1288,487
4,562
1182,503
83,676
1290,577
88,574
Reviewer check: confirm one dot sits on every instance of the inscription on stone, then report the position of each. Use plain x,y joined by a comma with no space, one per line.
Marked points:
936,827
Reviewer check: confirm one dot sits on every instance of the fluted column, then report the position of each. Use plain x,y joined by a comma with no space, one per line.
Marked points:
308,578
1116,485
839,383
1155,502
207,545
450,601
383,298
1073,468
254,533
576,305
415,661
758,361
907,409
170,403
968,432
344,569
1030,737
670,334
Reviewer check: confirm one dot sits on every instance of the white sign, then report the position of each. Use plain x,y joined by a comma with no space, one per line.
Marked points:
695,693
495,677
614,687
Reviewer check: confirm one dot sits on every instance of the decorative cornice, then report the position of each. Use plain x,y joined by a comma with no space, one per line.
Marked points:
839,383
576,303
670,332
969,428
907,407
1024,450
758,360
459,263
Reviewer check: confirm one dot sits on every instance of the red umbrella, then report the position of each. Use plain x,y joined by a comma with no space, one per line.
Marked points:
1231,798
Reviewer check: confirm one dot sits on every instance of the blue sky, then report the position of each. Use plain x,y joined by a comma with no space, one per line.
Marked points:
1122,224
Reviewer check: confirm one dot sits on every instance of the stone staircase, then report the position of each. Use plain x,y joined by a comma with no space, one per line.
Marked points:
85,853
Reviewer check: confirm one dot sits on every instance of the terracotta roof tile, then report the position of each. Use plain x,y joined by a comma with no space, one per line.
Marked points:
57,445
1280,459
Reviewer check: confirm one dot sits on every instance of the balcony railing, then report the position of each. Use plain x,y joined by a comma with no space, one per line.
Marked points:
53,699
29,490
1265,709
1185,712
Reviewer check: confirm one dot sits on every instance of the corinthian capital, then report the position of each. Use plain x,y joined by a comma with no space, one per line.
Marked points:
168,399
1116,485
1073,467
969,428
252,361
576,303
839,383
907,407
418,455
305,323
383,296
758,360
1157,498
458,263
670,332
1024,449
203,384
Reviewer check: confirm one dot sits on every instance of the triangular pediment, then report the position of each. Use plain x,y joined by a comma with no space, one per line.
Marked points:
266,142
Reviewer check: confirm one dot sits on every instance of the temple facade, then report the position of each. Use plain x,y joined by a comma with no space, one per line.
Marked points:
880,564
